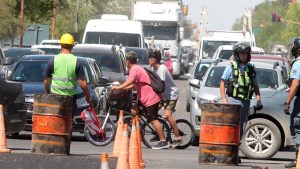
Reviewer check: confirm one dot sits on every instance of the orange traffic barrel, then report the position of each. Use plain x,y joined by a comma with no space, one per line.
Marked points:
52,124
219,134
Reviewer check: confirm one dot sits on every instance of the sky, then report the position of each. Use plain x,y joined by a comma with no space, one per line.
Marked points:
221,13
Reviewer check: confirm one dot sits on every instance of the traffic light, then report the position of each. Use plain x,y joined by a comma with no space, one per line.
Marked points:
273,16
278,18
185,10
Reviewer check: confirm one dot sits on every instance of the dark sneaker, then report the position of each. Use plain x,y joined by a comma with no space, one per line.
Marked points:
176,142
291,165
154,138
161,145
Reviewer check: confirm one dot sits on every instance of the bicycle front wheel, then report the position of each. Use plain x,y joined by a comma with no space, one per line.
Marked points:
101,139
149,135
186,132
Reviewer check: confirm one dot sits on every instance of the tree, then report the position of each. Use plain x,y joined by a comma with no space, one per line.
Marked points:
9,23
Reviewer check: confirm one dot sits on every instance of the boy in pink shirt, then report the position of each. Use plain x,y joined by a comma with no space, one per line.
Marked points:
148,99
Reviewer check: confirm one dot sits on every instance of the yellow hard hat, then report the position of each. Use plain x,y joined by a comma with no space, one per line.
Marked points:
67,39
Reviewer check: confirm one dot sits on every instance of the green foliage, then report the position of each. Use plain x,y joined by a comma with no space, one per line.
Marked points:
9,23
269,31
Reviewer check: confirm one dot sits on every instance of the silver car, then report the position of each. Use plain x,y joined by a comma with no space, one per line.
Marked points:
267,130
197,72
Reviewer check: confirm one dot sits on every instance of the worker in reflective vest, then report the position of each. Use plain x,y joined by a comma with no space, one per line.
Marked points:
64,71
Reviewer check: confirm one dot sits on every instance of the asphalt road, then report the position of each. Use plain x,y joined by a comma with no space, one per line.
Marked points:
154,159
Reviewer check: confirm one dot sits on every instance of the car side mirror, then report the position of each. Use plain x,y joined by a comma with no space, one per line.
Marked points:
195,83
8,61
199,76
103,81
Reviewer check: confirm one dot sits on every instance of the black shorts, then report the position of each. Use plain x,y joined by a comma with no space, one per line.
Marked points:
150,111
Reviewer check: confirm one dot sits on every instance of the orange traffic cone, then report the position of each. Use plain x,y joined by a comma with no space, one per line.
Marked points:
3,147
104,161
134,161
298,162
118,137
123,162
138,133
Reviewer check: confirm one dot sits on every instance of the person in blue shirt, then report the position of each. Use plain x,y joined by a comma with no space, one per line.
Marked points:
241,79
294,91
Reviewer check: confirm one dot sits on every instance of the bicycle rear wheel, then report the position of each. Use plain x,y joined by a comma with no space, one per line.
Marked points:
101,140
149,135
186,132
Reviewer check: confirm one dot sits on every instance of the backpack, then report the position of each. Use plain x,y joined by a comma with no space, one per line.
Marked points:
155,82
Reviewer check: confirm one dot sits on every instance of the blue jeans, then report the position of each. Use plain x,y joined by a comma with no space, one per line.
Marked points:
245,105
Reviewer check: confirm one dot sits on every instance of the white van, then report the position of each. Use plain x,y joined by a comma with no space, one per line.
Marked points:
114,30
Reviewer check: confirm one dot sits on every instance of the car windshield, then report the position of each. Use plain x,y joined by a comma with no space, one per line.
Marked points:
107,62
113,38
214,77
266,78
160,33
142,56
29,71
225,54
201,69
209,47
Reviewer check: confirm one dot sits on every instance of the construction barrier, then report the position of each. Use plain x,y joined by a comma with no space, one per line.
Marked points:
219,134
52,124
104,161
123,158
134,161
118,137
139,141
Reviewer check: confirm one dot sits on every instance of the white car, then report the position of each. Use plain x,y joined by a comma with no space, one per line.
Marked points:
267,130
48,49
225,51
197,72
50,42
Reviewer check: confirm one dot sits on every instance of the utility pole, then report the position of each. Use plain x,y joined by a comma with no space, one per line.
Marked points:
22,23
54,19
77,15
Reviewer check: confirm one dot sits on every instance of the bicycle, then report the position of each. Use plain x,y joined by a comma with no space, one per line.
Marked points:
150,137
107,125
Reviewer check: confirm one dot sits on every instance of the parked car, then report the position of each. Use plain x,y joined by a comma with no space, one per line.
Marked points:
197,72
16,53
50,42
4,62
29,72
48,49
111,60
225,51
13,100
267,130
142,55
272,59
167,61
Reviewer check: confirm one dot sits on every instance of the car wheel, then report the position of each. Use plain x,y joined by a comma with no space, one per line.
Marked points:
261,139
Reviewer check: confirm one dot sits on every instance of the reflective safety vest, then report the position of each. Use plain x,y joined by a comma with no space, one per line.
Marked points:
242,81
64,79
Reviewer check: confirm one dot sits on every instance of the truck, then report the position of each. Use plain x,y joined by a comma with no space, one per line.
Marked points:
162,19
114,29
213,39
